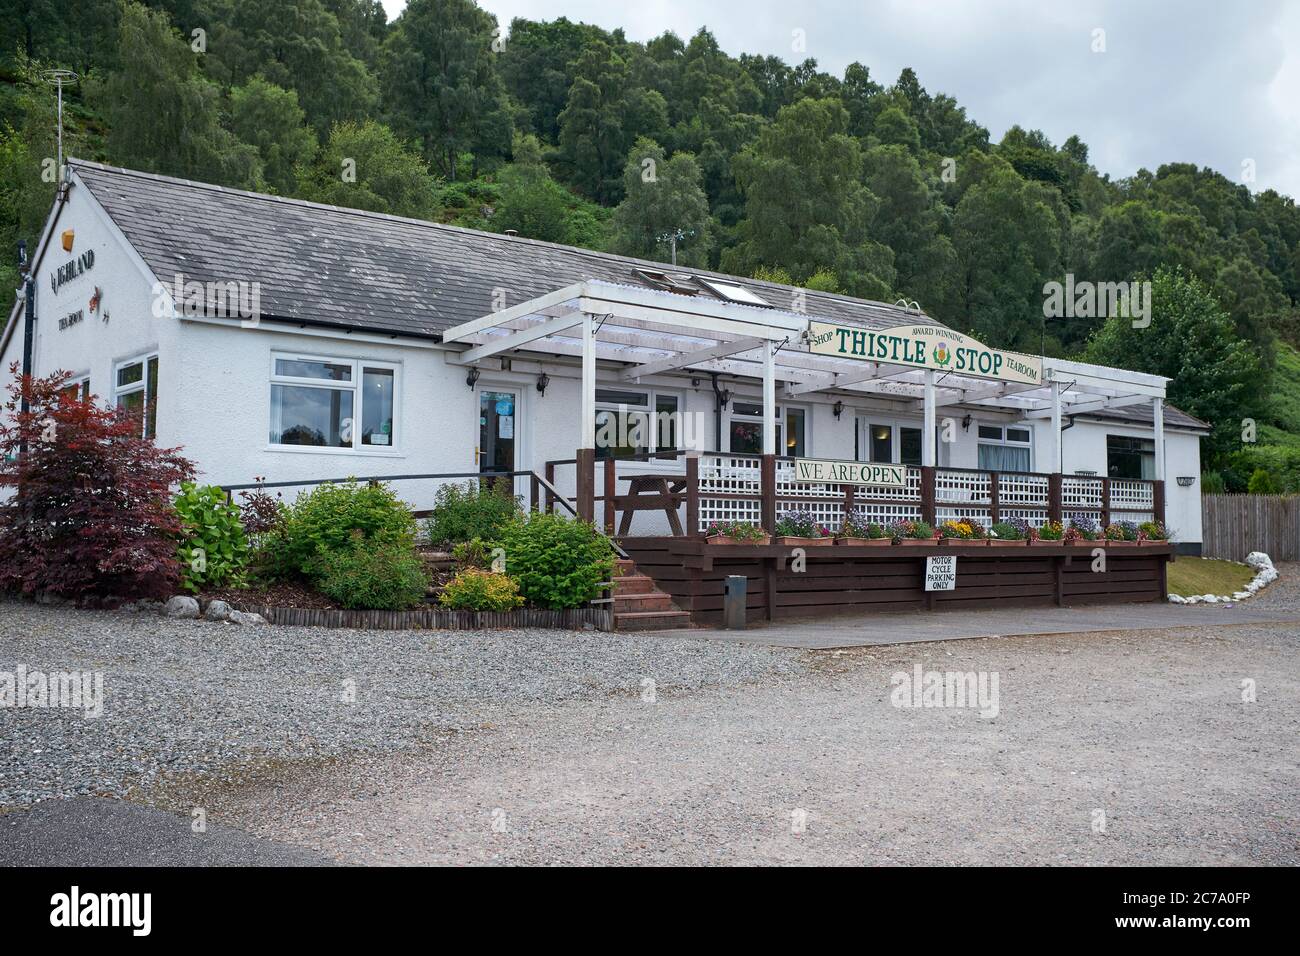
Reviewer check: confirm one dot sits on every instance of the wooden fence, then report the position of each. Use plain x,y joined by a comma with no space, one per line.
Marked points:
1232,526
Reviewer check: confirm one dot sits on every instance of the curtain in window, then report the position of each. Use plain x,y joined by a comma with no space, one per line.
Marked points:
1003,458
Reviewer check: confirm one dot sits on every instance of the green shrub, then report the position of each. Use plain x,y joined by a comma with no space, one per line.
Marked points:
214,548
558,563
475,553
475,509
1263,482
474,589
1212,483
329,518
376,575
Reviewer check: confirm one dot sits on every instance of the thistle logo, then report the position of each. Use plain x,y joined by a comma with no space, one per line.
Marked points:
941,355
103,909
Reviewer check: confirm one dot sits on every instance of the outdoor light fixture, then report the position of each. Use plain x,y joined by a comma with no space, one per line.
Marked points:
724,397
1185,481
838,409
543,381
472,377
965,423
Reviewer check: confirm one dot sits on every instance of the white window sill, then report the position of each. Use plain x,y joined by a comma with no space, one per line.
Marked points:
367,452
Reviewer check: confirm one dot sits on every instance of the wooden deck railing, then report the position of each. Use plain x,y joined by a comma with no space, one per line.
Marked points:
723,486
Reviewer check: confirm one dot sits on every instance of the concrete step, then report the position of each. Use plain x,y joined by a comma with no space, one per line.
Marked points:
649,601
633,584
626,565
651,620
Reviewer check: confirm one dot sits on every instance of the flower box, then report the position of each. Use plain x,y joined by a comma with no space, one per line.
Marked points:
790,541
849,541
1007,542
1121,544
720,539
913,542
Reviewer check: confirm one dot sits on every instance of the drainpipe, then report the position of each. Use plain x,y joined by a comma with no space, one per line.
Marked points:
717,413
29,323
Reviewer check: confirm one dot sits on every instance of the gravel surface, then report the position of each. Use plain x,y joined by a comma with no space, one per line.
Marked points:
1147,728
544,747
187,696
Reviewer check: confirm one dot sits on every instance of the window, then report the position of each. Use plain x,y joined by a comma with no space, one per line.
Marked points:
1128,457
78,388
1004,448
627,426
332,403
889,442
730,291
135,389
746,429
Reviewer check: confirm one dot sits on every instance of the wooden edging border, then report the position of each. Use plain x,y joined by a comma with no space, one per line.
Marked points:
575,619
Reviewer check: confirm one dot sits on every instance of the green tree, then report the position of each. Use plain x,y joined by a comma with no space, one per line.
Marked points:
270,119
1214,374
441,85
1007,240
163,115
662,196
601,120
806,208
365,166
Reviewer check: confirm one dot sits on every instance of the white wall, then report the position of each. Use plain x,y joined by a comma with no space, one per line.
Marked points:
123,327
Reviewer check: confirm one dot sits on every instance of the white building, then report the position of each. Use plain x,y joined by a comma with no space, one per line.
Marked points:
276,338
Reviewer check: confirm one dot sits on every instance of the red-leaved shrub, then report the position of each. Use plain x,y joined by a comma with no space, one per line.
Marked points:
87,511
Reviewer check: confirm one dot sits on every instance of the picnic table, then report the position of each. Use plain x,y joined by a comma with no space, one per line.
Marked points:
652,492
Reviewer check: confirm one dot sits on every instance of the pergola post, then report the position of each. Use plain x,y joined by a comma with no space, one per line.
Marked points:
1158,492
767,467
929,452
586,457
1057,458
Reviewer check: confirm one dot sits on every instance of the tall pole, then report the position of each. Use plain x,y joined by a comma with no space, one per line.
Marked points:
58,78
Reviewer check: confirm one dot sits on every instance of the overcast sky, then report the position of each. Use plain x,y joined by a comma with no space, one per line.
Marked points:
1216,84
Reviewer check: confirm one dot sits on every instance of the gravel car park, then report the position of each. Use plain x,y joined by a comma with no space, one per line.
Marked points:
546,747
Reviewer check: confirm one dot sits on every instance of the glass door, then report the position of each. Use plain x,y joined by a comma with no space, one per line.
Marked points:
498,411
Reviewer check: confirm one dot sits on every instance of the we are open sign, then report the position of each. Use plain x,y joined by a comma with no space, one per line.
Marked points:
850,472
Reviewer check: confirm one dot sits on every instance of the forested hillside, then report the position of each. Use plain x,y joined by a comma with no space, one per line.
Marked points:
567,132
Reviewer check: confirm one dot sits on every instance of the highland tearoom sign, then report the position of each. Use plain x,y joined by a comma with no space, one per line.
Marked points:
927,347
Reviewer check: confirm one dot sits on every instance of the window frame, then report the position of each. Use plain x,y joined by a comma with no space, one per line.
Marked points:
143,385
1004,441
358,366
783,410
866,420
1143,454
650,409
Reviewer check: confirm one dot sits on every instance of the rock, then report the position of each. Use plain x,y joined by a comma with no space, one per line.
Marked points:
244,617
217,611
182,607
1177,599
1259,560
1240,595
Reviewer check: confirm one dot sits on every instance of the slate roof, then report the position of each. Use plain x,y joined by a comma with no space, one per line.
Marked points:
1144,415
325,265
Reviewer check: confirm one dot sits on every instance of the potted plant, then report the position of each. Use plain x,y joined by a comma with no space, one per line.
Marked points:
964,529
1009,534
800,529
1050,532
1152,531
856,530
906,532
735,532
1121,534
1083,530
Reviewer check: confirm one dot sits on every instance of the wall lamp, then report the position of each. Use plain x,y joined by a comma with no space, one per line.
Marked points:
472,377
724,397
837,409
1185,481
543,381
965,423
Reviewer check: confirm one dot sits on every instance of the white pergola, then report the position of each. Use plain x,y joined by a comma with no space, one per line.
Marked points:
654,332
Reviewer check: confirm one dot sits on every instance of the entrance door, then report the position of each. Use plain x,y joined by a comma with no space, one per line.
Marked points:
498,415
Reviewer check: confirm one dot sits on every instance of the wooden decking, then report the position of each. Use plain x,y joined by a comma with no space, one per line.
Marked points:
842,580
